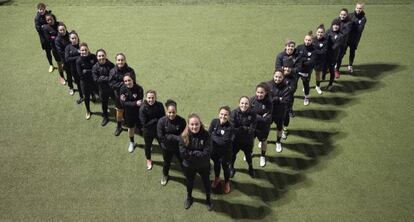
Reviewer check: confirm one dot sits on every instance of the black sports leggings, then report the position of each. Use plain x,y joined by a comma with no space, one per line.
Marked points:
246,147
221,161
149,136
190,173
87,89
168,154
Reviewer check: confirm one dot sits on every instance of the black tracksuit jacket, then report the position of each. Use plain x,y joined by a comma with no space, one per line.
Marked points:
260,107
40,21
84,66
321,50
281,98
51,32
129,98
100,74
282,57
222,136
149,116
71,55
61,42
116,76
305,59
196,154
244,124
335,41
169,131
359,21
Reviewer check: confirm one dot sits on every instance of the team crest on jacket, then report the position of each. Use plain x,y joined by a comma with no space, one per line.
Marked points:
177,128
359,21
134,95
309,53
202,142
222,132
263,106
321,45
336,36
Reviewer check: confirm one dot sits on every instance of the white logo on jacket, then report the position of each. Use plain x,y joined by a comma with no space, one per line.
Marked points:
222,132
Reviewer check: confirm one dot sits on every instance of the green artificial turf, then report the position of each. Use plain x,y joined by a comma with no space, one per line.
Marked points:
347,158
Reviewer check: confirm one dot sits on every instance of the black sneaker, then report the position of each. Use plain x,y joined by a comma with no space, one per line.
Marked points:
80,100
188,202
251,172
118,131
105,121
209,205
93,99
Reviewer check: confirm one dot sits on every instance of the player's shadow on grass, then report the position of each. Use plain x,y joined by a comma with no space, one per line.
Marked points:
6,2
322,144
374,71
320,114
335,100
239,210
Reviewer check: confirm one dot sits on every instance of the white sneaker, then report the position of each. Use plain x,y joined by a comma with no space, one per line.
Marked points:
318,90
71,92
284,134
306,101
262,161
350,69
279,147
259,145
131,147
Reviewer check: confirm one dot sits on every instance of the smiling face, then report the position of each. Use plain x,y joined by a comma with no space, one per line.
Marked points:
62,30
289,48
171,112
42,10
359,8
150,98
120,61
224,116
101,56
128,82
50,20
260,93
308,40
194,124
278,77
84,51
73,38
320,33
244,104
343,14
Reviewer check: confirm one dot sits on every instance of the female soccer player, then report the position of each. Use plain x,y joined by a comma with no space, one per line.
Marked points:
288,53
40,21
149,114
50,31
244,121
131,95
72,53
84,68
320,43
262,105
61,41
346,26
169,129
222,136
116,76
335,41
281,97
305,62
100,74
359,20
195,148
